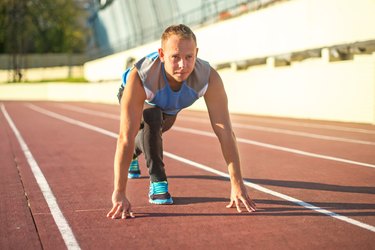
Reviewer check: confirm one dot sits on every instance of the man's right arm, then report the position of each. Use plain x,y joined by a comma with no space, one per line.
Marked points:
131,113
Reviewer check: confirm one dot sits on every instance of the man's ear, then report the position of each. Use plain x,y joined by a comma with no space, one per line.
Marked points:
161,54
196,52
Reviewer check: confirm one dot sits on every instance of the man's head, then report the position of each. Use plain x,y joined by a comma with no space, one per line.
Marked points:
181,30
178,52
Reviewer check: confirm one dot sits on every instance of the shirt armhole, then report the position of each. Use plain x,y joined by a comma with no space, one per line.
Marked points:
149,94
203,90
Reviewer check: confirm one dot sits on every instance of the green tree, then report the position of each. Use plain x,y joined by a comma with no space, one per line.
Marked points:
42,26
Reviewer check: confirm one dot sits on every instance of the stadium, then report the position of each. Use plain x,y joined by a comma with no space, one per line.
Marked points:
299,103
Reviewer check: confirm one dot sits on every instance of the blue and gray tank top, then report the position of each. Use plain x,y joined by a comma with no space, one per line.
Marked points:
153,77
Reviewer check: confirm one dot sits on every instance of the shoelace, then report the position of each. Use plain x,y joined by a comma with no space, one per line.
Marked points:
159,187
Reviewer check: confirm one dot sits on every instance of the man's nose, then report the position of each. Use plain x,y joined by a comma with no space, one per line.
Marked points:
182,63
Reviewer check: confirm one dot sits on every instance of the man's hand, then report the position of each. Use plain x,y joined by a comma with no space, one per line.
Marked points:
121,207
239,194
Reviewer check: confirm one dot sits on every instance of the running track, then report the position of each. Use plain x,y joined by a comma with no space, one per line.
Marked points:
313,183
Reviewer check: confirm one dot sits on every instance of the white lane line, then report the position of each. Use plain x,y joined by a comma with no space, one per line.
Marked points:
89,111
214,171
63,226
285,131
235,125
242,140
274,193
309,125
266,145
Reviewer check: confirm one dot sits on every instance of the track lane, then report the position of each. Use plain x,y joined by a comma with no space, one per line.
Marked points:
17,229
310,206
362,189
180,175
363,152
349,131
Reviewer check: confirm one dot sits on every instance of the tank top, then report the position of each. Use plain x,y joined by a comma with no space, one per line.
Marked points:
158,92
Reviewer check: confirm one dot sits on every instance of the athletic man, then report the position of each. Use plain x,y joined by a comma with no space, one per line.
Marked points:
153,91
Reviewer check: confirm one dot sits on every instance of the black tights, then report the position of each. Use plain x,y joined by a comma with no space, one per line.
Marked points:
149,140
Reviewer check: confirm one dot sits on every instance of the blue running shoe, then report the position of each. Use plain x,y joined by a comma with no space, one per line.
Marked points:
134,171
159,193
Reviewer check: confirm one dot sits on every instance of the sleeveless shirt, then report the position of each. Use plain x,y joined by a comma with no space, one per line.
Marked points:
154,80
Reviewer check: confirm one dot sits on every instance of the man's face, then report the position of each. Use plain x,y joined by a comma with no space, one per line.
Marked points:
179,56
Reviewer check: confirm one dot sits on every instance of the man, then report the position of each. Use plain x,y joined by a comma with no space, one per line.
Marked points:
152,94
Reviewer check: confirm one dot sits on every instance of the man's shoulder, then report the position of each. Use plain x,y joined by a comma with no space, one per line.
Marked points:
150,58
202,70
148,65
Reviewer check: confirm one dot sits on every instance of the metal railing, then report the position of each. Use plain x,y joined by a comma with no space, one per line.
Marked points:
208,12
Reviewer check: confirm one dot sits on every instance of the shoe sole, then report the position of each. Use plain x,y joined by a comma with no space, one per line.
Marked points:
161,202
134,176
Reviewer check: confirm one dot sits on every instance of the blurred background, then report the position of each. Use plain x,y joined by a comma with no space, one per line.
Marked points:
311,59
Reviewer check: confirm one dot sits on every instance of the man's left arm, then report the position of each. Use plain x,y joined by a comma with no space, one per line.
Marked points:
217,105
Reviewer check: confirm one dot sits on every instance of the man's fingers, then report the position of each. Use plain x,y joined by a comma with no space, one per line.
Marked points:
118,212
238,206
113,210
230,204
126,214
249,205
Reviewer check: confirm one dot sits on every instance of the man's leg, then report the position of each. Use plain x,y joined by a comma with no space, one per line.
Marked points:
153,143
149,141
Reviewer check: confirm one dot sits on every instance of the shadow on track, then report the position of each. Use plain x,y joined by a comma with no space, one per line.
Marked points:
290,184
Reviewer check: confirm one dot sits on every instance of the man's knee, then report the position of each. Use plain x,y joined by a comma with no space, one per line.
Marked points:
153,117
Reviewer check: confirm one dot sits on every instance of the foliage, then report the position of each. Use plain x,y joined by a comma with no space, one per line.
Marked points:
41,26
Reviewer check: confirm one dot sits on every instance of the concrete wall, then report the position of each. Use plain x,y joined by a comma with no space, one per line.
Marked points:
38,67
287,27
41,74
88,92
27,61
314,88
283,28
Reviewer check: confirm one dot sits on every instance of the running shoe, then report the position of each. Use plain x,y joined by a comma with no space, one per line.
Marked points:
159,193
134,171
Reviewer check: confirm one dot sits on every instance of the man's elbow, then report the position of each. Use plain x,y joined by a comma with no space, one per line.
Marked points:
124,140
225,135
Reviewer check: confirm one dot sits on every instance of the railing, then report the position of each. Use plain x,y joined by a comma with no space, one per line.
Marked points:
209,12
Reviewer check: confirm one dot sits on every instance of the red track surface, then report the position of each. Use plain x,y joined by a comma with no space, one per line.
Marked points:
77,164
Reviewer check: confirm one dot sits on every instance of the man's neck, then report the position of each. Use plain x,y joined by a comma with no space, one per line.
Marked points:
174,85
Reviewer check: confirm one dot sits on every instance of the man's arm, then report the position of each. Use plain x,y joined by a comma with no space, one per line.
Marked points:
131,113
217,104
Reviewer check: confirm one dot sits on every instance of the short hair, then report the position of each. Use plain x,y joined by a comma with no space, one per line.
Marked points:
180,30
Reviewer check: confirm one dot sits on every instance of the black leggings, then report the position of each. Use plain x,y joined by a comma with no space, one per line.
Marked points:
149,140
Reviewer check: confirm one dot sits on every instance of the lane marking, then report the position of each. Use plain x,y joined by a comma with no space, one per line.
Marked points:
62,224
89,111
235,125
274,193
285,131
214,171
266,145
242,140
309,125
